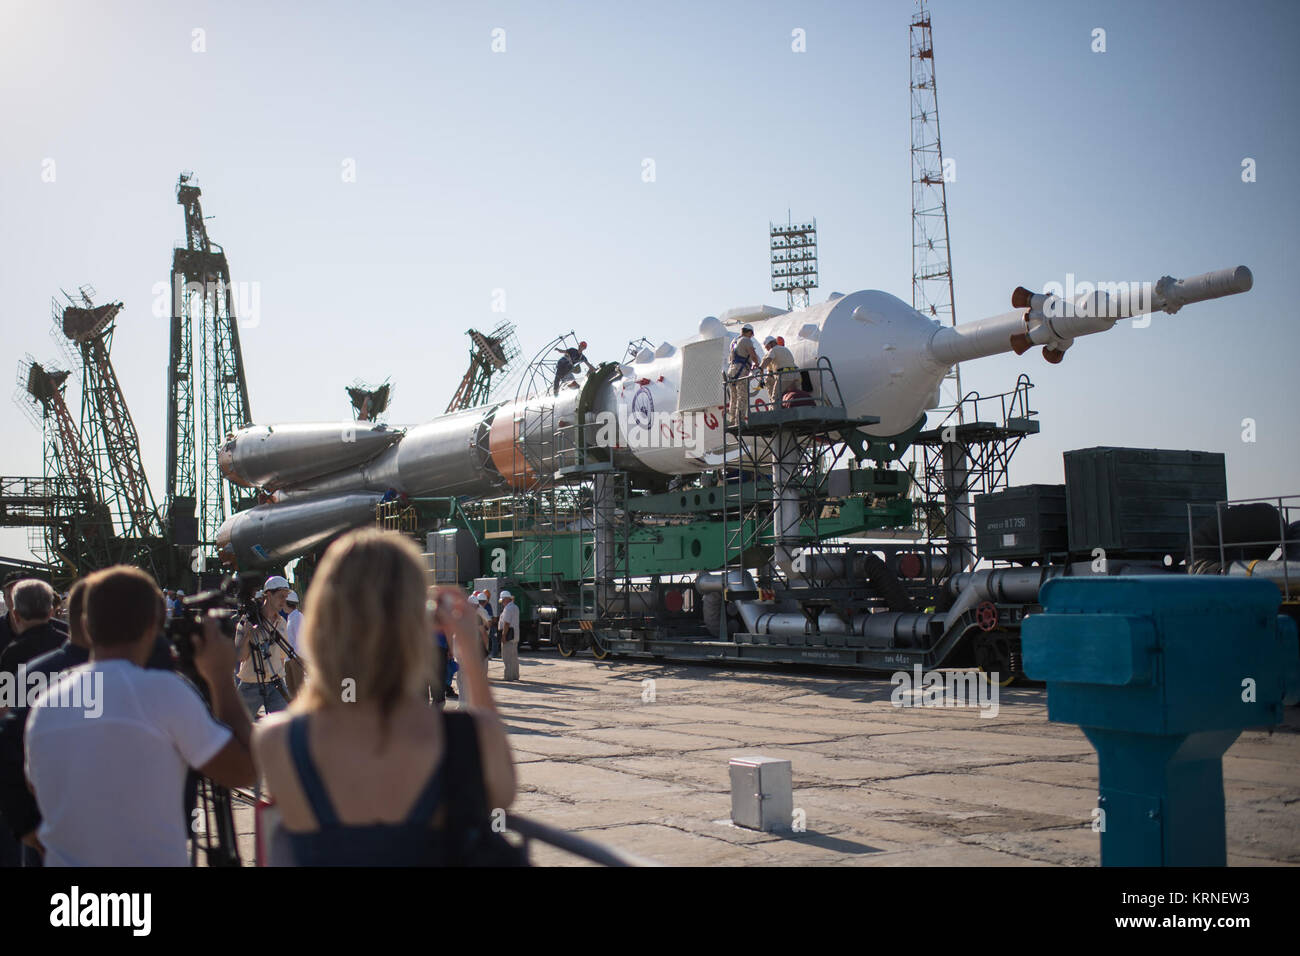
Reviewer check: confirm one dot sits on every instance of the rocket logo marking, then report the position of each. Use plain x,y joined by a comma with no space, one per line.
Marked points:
643,407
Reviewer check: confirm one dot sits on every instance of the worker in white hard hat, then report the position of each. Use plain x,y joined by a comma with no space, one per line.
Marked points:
778,366
741,366
258,649
510,635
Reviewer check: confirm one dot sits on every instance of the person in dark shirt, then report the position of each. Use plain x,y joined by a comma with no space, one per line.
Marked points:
18,808
569,361
8,623
34,635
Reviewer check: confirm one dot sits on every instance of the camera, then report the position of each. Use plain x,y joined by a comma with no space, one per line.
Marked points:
232,600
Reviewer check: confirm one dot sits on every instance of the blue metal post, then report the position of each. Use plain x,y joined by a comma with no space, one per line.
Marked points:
1162,673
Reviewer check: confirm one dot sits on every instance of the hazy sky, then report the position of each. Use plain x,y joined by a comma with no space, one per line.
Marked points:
522,171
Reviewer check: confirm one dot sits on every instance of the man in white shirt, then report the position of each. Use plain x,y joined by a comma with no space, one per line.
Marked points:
479,601
294,623
510,635
109,744
779,364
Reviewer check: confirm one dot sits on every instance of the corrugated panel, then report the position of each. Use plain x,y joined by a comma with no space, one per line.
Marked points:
1134,500
702,375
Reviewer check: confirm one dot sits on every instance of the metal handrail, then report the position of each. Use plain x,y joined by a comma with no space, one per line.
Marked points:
571,843
821,392
1009,403
1286,505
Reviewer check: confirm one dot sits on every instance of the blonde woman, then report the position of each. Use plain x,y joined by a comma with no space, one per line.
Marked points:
363,770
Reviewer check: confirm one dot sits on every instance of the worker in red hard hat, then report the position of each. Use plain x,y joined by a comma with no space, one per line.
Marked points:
570,359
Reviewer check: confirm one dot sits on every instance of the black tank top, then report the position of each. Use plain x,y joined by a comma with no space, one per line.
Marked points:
412,842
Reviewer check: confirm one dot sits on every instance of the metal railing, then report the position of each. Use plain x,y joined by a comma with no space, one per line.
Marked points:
1288,513
823,387
571,843
1003,407
529,831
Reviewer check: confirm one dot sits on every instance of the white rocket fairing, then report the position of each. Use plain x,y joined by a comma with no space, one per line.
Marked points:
661,414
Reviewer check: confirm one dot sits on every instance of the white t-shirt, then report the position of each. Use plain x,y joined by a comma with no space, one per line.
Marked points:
510,615
111,787
293,626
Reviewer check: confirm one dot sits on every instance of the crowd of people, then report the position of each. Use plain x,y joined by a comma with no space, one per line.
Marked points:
325,709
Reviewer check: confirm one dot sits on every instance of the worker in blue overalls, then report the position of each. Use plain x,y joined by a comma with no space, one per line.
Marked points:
741,367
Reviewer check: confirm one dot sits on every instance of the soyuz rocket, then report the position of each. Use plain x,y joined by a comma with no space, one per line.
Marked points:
664,409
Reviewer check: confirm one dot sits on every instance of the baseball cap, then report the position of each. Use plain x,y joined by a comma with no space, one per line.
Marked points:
505,594
747,328
275,583
475,599
770,340
293,597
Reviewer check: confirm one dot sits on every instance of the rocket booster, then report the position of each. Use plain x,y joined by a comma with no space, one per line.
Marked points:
660,414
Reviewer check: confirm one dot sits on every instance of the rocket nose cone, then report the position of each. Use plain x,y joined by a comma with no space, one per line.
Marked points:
226,464
225,548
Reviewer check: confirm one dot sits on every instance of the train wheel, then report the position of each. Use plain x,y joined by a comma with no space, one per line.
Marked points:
599,649
997,654
565,644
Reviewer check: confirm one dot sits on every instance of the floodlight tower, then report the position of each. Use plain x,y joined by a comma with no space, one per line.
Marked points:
794,260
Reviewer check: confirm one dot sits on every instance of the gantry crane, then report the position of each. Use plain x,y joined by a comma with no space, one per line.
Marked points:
70,529
489,354
369,401
198,497
109,441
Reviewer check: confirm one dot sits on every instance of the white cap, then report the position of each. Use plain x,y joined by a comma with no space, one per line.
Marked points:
769,341
293,597
475,599
506,594
275,583
181,593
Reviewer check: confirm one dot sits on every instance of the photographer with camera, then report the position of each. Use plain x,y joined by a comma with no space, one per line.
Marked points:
260,640
110,789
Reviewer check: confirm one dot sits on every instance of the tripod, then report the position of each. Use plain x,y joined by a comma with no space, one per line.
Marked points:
259,650
211,821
